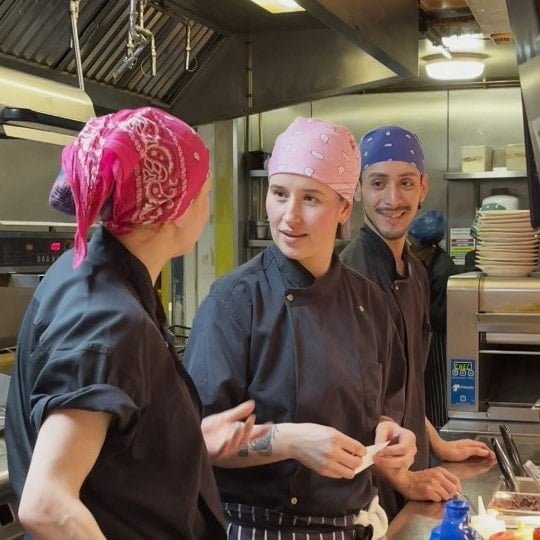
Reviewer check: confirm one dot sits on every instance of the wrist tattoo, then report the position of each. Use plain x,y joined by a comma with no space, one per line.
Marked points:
261,447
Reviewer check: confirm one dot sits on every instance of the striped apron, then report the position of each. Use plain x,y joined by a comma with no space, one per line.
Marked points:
246,522
435,381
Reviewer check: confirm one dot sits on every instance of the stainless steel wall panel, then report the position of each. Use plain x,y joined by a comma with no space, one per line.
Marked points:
475,120
273,123
482,117
26,176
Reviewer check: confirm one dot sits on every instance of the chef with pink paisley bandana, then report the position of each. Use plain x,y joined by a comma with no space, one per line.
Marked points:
103,430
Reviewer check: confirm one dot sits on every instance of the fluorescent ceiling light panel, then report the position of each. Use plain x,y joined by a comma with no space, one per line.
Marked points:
279,6
455,70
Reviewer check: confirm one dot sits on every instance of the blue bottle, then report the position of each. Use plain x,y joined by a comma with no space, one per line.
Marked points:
454,524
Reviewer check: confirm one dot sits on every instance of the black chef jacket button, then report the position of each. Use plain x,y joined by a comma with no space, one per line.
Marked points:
290,297
294,500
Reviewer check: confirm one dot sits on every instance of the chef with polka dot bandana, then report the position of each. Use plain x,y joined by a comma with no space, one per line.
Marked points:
393,185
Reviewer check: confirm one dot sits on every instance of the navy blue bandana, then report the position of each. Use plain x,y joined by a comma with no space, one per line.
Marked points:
391,143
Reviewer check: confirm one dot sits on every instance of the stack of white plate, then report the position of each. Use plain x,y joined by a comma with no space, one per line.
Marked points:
506,243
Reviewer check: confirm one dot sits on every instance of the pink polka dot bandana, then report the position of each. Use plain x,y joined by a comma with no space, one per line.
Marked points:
137,166
391,143
321,150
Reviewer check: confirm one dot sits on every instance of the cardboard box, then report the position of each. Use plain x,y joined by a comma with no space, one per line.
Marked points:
476,158
515,157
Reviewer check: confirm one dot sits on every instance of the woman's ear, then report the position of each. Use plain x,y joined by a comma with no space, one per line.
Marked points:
345,211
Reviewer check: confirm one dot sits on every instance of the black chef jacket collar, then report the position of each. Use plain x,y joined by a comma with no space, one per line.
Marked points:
105,249
301,281
377,243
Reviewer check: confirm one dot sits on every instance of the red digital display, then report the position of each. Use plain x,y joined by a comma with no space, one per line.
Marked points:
55,246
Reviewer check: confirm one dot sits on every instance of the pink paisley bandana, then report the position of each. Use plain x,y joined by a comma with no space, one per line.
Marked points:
323,151
137,166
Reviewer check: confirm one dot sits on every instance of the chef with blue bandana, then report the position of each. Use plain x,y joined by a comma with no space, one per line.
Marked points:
393,185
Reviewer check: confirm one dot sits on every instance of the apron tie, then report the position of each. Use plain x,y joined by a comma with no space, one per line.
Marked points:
374,516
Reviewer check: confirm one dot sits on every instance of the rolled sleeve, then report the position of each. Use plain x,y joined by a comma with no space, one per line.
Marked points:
87,379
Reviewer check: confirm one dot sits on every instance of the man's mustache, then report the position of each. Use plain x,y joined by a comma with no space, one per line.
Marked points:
386,208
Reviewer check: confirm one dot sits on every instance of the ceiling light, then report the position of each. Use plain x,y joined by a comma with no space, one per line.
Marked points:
464,42
461,67
279,6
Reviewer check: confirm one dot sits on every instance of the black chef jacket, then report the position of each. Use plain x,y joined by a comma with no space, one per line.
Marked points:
305,350
92,339
408,296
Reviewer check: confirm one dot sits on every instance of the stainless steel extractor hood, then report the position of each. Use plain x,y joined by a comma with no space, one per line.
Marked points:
38,109
240,59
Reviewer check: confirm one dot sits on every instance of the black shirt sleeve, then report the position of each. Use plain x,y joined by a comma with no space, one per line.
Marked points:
84,379
217,354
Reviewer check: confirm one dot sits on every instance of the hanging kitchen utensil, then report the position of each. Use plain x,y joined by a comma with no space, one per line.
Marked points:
505,466
512,451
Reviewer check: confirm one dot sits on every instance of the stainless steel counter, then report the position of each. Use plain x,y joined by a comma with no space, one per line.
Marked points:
478,477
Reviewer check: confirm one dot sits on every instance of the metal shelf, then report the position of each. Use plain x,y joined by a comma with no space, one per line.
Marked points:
486,175
258,173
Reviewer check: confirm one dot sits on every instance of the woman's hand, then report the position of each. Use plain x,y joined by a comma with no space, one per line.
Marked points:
324,449
224,433
399,454
461,450
456,450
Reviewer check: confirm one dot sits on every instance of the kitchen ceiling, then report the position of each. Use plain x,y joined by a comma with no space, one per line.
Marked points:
38,32
35,36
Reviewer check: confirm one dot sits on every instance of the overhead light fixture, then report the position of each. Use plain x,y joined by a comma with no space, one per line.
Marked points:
279,6
463,66
464,42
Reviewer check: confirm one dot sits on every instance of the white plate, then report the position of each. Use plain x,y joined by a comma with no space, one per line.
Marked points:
487,259
511,234
491,216
510,251
504,213
506,227
505,242
486,218
507,271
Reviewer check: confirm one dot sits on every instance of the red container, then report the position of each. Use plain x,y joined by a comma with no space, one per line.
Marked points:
503,536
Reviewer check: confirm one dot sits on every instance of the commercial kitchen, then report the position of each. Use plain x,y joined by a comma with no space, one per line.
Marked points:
241,73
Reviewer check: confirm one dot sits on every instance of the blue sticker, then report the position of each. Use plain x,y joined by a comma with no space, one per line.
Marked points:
462,382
